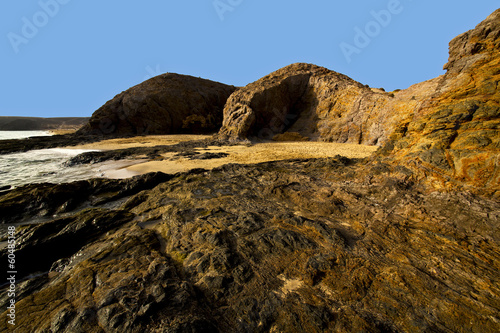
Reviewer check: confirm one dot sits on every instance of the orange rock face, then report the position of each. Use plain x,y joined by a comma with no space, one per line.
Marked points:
455,134
447,127
319,104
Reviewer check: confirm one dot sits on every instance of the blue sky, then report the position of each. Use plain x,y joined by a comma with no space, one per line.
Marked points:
68,57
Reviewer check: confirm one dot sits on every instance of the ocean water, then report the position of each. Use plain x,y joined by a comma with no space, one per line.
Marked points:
42,166
7,135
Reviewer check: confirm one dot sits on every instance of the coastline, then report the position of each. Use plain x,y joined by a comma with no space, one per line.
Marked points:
14,135
211,157
189,233
140,141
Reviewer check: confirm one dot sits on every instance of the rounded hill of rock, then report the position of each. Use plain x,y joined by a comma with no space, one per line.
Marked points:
318,104
166,104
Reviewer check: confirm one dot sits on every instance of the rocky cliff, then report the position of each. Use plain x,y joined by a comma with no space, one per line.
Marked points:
165,104
319,104
455,135
447,127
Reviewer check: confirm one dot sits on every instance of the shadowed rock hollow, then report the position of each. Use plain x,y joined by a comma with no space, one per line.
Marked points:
319,104
165,104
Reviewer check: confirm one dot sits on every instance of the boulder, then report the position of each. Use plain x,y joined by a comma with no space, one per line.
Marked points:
166,104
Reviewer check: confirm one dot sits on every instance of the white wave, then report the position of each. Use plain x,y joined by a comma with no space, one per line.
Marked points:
43,166
70,151
8,135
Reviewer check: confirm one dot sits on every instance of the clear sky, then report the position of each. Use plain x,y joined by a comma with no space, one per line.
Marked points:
68,57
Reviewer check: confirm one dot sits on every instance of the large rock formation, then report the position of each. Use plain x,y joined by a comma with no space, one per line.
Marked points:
447,127
318,104
165,104
326,245
455,135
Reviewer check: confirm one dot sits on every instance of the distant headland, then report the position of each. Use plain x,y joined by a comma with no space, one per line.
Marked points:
41,124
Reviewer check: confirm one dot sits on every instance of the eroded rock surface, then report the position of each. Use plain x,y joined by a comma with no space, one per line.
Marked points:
319,104
446,128
320,245
166,104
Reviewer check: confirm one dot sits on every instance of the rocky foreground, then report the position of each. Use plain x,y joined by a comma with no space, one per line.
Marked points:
294,246
406,240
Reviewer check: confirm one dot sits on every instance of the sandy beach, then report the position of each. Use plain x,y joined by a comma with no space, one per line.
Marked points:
243,154
260,152
141,141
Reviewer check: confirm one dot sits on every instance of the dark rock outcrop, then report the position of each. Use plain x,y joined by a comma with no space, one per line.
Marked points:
186,147
47,200
165,104
45,243
43,142
327,245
